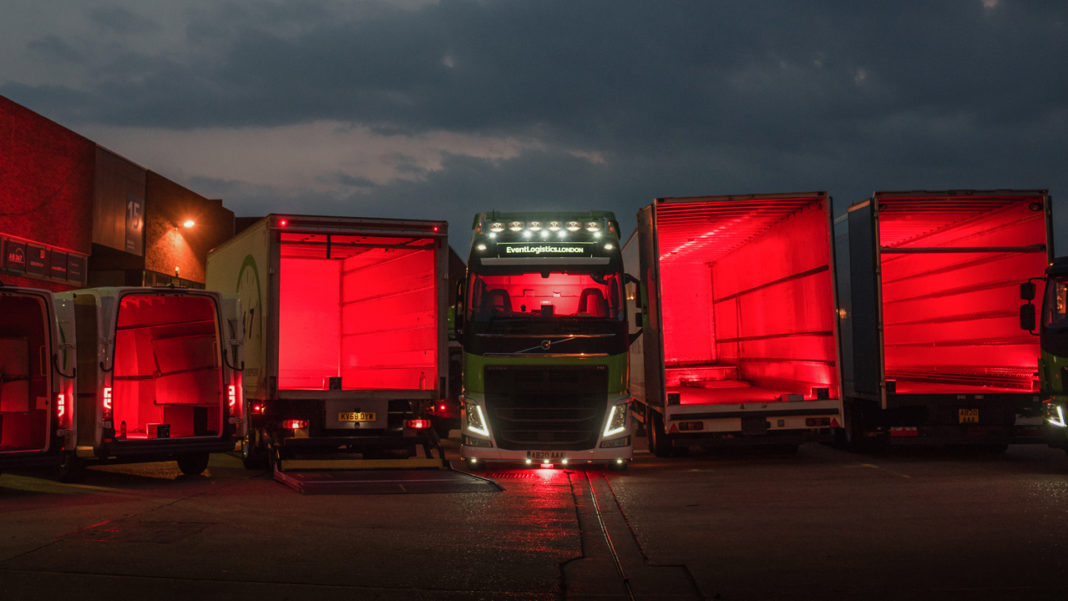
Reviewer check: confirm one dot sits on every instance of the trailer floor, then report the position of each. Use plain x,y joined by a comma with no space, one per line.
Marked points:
379,482
727,392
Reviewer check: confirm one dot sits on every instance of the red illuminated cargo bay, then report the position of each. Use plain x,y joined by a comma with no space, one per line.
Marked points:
740,341
345,335
157,374
937,346
35,379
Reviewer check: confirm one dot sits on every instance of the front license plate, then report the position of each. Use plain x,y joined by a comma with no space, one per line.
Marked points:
968,416
356,416
544,454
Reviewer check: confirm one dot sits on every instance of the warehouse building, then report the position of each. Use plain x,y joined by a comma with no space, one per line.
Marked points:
74,214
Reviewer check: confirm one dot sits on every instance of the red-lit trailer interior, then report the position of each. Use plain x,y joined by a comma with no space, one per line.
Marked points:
25,354
167,380
950,269
747,299
359,308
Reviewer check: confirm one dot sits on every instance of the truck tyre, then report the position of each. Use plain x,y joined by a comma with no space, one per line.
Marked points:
659,443
253,456
71,469
193,465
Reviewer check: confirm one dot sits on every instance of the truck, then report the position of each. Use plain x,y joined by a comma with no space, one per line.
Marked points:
158,376
938,356
542,323
739,344
345,339
1053,341
37,374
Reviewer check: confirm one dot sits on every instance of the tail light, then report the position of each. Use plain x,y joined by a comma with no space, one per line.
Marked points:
418,424
295,424
106,394
231,395
61,408
259,409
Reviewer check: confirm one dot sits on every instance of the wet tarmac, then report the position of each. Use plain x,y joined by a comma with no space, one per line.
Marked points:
819,524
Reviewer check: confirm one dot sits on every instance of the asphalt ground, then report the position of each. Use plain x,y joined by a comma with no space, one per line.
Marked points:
819,524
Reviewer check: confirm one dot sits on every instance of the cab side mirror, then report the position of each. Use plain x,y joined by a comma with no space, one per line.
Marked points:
1027,292
1027,317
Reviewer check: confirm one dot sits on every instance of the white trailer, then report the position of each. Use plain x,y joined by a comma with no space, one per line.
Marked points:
345,337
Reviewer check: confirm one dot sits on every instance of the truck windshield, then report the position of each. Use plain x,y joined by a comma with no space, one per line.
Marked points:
1055,306
543,295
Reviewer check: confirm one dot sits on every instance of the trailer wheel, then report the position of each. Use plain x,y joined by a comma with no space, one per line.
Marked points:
659,443
71,469
253,456
193,465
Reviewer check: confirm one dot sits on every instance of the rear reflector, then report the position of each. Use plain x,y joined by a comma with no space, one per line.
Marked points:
295,424
909,432
418,424
691,426
817,422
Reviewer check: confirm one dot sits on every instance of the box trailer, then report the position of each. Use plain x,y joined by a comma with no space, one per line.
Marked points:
739,342
36,378
345,338
937,350
158,375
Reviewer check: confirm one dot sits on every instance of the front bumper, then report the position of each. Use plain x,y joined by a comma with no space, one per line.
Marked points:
478,443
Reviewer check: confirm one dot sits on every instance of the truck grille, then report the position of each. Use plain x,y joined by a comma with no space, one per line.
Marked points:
546,408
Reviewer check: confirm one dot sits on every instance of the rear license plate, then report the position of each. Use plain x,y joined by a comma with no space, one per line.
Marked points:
968,416
544,454
356,416
754,425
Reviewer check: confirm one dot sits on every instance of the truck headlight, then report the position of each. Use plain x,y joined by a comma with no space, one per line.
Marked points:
617,420
1055,415
476,420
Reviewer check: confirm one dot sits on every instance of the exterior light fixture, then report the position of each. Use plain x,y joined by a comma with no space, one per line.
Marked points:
188,223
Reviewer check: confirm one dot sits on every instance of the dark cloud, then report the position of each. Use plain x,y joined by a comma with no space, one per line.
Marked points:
122,21
55,47
684,98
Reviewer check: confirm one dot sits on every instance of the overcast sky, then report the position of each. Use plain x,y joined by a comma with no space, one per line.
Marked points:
416,108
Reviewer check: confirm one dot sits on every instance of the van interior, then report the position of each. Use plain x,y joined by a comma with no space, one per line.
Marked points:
25,370
167,374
